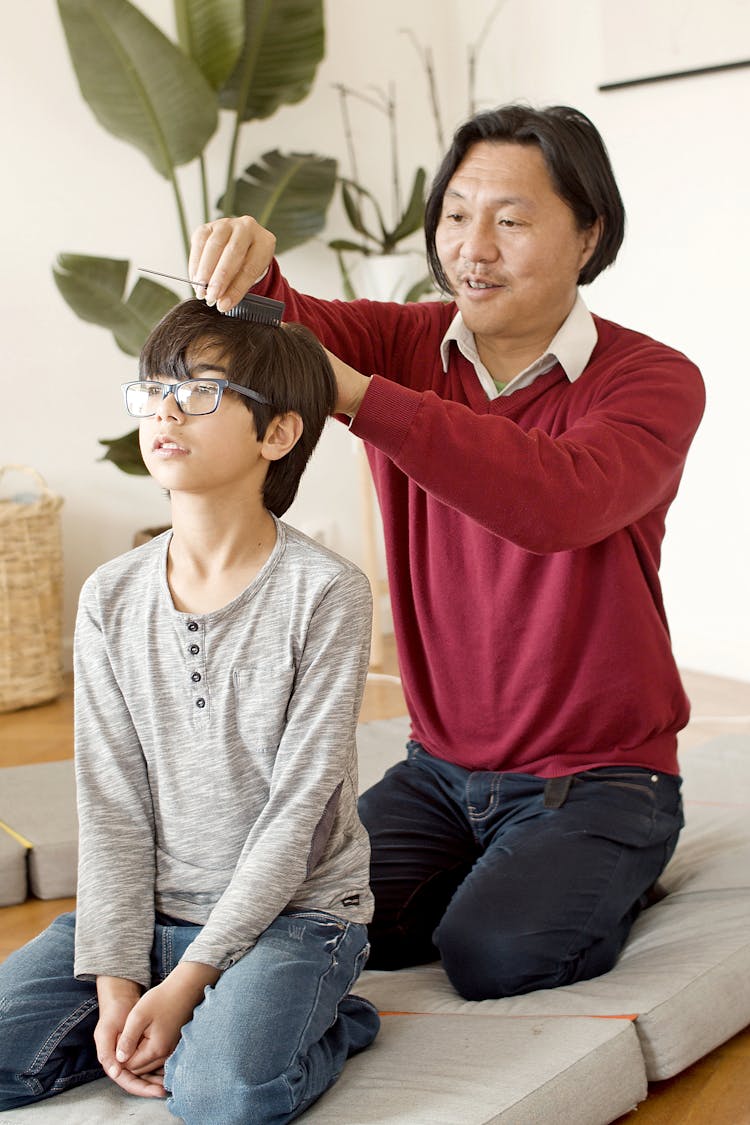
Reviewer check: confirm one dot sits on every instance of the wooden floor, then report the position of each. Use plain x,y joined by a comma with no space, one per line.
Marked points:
714,1091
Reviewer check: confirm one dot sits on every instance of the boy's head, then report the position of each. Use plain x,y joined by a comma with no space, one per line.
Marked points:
287,366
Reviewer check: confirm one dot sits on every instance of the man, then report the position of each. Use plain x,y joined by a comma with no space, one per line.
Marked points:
525,454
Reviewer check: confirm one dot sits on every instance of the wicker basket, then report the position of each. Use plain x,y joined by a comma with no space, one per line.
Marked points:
30,596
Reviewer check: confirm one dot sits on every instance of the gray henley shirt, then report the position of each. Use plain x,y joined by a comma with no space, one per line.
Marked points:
215,755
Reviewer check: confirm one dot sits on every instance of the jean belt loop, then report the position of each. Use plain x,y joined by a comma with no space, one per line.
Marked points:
556,791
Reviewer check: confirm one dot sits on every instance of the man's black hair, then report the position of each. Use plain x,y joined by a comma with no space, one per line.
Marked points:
577,161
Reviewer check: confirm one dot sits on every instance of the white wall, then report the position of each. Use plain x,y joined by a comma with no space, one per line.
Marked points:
682,163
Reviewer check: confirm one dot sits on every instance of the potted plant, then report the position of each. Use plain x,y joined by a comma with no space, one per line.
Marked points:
245,57
381,269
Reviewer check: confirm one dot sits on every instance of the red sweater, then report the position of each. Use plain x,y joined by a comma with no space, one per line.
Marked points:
523,538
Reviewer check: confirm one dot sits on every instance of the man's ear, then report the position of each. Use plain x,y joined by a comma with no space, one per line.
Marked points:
590,240
282,434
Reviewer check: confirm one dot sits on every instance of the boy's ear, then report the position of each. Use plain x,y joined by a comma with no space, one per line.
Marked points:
282,434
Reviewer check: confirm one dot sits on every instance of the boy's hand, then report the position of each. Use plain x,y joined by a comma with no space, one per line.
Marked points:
117,998
153,1026
228,256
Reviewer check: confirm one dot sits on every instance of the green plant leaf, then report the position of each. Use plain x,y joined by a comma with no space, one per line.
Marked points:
92,286
420,289
413,217
353,209
211,33
346,278
125,452
355,212
289,193
338,244
140,86
146,305
95,290
284,42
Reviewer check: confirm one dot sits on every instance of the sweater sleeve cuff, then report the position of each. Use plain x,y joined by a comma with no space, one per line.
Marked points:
386,415
269,280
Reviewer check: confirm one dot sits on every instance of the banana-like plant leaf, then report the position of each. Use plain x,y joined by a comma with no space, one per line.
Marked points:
93,287
284,42
95,290
125,452
289,193
140,86
147,304
413,217
211,33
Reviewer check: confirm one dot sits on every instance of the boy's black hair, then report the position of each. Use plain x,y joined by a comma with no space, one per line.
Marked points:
288,366
576,159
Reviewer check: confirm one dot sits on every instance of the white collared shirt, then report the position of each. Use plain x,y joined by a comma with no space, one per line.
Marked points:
571,347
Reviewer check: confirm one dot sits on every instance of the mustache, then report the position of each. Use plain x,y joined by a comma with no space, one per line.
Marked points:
466,276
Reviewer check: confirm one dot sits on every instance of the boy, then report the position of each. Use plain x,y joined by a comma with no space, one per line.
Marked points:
223,871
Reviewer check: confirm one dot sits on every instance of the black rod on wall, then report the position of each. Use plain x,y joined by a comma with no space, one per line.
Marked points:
674,74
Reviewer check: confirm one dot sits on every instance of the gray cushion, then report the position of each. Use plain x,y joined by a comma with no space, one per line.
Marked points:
685,970
433,1070
13,877
680,988
684,973
38,802
98,1103
442,1070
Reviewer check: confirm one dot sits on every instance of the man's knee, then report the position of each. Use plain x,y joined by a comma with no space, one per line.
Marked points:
14,1092
489,964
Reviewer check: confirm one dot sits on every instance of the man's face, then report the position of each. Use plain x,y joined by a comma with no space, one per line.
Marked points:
510,246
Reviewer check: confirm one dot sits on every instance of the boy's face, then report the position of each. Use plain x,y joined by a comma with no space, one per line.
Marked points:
203,453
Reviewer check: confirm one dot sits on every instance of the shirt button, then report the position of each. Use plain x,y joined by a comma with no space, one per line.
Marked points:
200,703
196,677
192,626
194,650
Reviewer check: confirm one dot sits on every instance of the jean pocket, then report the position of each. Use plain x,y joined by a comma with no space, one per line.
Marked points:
635,807
319,917
359,962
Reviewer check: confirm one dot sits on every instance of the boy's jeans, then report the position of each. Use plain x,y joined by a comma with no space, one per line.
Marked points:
267,1040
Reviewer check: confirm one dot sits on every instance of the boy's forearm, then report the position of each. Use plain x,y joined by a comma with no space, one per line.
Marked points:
117,988
193,977
115,894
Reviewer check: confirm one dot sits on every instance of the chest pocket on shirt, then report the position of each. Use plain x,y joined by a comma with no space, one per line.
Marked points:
262,697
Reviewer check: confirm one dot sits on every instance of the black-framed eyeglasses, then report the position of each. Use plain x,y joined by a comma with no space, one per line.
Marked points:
193,396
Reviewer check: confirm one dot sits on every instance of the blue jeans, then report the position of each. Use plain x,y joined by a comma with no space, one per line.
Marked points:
516,882
266,1041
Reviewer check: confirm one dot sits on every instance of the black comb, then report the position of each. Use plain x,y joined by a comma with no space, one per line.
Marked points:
253,308
260,310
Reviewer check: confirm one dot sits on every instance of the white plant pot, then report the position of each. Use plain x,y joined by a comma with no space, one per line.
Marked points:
387,277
